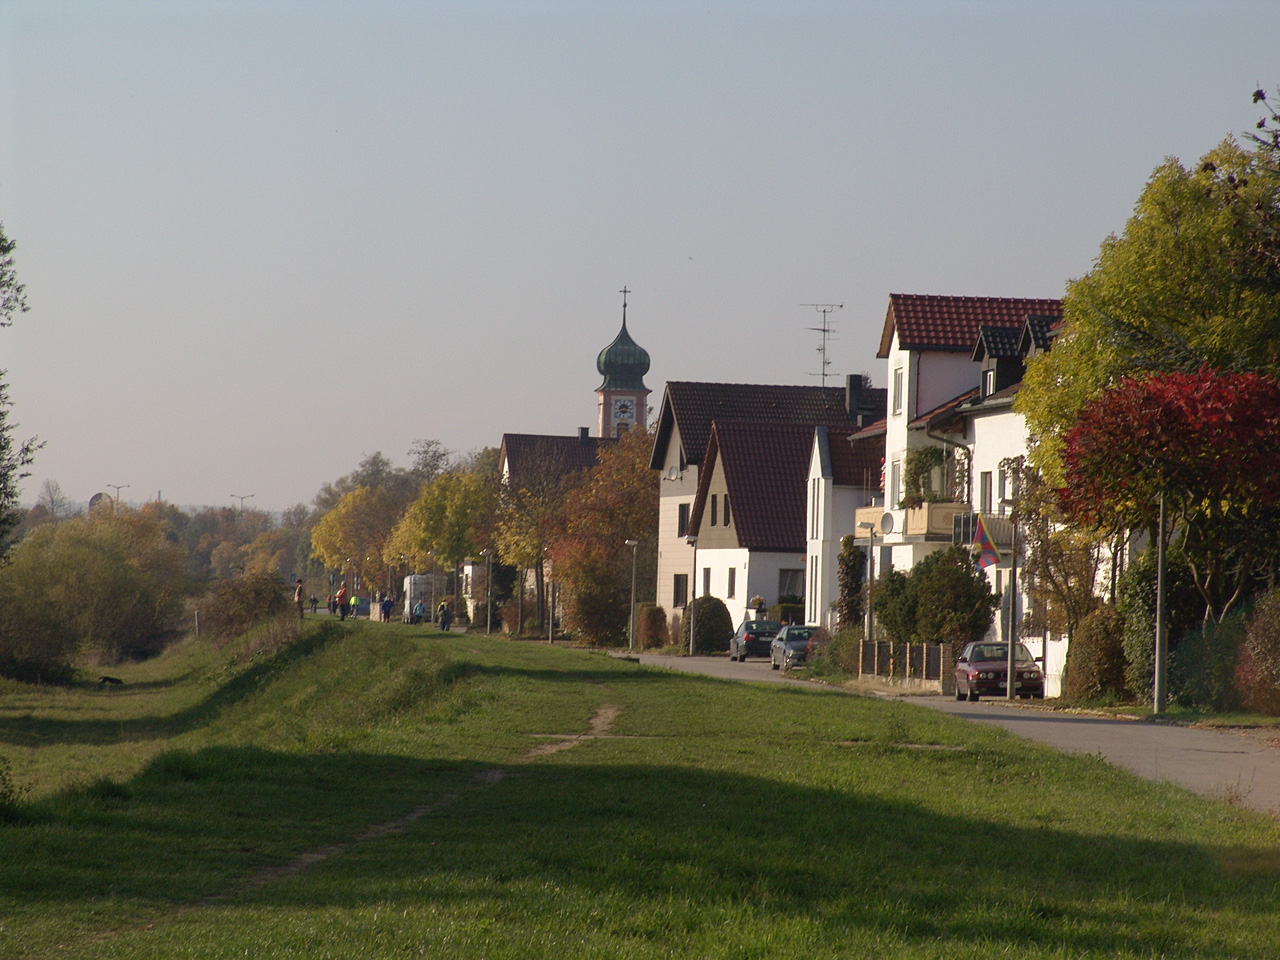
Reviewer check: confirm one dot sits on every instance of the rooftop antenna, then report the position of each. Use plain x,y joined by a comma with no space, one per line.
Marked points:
827,331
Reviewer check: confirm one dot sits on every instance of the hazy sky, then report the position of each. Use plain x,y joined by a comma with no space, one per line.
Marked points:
261,240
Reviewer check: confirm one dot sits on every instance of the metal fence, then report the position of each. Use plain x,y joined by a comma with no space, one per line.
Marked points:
925,662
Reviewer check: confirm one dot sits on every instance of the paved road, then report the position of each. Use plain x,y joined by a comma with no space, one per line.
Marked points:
1244,765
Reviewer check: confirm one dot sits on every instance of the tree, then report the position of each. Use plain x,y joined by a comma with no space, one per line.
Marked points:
954,602
376,472
852,574
615,501
13,456
1209,442
452,519
1194,280
356,531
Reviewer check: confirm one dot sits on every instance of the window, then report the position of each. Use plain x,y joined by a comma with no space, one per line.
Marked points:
706,581
988,382
897,390
726,509
713,509
680,590
984,492
791,583
813,508
732,587
1002,483
813,589
682,520
895,483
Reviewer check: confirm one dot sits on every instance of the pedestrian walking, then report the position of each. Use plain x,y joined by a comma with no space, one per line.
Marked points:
340,600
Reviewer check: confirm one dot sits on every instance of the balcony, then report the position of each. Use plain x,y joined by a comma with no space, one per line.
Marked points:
928,521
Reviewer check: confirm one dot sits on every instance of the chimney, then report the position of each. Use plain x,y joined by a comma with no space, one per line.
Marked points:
584,434
852,395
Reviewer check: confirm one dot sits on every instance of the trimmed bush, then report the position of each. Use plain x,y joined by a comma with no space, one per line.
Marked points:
1137,601
714,627
838,653
1095,659
1202,670
651,626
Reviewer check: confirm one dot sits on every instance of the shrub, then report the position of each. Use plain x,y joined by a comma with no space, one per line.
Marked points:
787,612
651,626
1095,659
1137,601
954,602
714,627
895,605
1258,672
1202,670
838,653
232,607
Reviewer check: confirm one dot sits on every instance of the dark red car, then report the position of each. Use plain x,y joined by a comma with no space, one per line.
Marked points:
983,671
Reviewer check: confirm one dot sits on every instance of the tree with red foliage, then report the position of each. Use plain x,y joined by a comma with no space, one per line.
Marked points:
616,501
1210,442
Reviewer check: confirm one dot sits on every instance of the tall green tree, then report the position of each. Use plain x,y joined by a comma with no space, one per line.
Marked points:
14,455
1193,280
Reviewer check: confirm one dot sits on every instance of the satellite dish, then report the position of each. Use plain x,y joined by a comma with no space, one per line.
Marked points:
886,523
94,501
673,472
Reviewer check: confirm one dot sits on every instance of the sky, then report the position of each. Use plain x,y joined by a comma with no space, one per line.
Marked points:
262,240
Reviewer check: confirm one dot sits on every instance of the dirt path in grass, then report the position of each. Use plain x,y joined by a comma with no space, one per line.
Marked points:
600,725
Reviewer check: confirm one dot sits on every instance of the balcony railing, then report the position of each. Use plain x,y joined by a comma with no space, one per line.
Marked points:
928,521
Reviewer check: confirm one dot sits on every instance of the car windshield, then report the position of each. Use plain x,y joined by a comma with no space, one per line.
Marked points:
798,636
762,626
998,651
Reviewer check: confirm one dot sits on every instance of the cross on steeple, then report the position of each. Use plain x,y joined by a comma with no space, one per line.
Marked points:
624,291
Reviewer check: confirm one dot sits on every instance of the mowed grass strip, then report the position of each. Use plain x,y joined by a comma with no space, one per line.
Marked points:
377,791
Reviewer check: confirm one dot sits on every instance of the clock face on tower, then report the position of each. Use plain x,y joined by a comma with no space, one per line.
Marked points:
624,408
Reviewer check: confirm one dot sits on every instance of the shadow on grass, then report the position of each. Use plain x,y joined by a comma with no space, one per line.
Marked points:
31,731
576,842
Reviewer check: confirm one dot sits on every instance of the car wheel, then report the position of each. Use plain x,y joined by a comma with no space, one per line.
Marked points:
973,695
773,663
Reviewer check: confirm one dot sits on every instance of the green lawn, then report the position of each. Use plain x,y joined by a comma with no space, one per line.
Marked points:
383,791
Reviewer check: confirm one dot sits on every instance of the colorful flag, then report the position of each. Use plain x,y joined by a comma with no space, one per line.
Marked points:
987,552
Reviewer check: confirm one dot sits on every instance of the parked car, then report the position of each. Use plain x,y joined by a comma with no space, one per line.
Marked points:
791,646
983,671
752,639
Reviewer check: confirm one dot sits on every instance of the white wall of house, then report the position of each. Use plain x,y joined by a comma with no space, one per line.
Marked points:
675,556
996,436
830,516
756,574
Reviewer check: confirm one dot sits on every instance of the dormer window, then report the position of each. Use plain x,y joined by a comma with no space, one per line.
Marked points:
988,381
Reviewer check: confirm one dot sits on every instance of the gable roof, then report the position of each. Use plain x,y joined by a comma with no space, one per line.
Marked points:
1038,333
693,405
943,410
766,473
925,322
548,457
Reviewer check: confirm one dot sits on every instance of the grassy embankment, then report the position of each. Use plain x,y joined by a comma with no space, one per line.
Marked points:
379,791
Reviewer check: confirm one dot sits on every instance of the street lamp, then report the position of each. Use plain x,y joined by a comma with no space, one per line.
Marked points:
1011,684
631,624
117,487
488,589
871,579
692,540
236,496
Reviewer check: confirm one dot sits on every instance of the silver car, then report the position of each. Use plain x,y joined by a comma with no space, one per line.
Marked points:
791,646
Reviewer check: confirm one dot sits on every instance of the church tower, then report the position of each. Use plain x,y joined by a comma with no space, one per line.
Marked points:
623,397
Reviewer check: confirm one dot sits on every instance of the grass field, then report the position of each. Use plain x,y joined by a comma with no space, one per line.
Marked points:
384,791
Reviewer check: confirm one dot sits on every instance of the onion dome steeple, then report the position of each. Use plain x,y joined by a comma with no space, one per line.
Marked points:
624,362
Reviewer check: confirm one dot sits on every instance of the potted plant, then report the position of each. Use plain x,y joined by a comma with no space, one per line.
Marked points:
756,603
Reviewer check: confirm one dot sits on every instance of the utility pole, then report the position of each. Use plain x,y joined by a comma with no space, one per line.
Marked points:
827,331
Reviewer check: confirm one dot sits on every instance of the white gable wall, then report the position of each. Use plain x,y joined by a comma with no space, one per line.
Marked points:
674,554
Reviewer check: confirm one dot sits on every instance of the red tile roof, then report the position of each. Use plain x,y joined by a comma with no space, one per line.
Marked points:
766,472
548,456
692,406
925,322
855,462
943,408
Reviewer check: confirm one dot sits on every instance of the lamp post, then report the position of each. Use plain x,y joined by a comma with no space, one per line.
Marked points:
631,621
1159,692
117,487
488,589
692,540
236,496
871,579
1011,684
